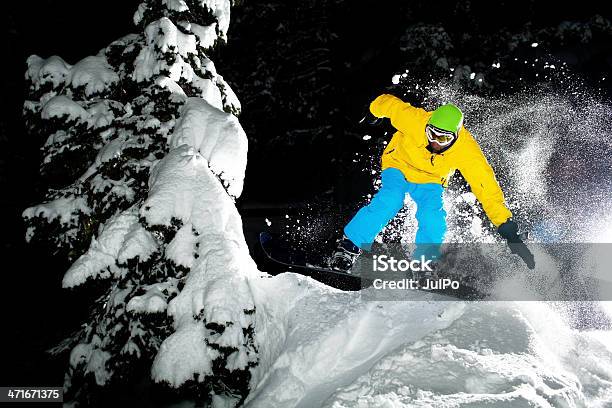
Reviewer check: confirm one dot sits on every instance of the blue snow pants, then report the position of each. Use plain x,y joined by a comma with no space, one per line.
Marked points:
386,203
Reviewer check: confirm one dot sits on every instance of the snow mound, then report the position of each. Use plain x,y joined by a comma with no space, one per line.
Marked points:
334,349
490,356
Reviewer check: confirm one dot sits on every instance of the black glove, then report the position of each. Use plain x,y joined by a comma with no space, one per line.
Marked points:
509,231
369,119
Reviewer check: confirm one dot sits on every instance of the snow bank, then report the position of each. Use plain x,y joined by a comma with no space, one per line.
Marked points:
334,349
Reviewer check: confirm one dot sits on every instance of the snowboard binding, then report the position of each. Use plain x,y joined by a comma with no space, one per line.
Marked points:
344,256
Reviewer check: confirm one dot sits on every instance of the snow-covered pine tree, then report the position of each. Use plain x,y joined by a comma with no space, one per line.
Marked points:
144,156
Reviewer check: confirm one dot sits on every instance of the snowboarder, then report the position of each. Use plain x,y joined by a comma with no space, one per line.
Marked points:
423,153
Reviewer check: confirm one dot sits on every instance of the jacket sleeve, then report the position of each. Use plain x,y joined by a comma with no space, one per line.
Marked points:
481,178
404,117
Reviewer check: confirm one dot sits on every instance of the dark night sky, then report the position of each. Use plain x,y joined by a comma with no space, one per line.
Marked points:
74,29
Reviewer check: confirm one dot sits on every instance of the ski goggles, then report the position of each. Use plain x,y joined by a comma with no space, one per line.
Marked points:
440,136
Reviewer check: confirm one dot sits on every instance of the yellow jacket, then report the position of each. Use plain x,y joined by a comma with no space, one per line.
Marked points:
407,152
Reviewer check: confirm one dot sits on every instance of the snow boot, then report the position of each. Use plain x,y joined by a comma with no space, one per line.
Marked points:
345,255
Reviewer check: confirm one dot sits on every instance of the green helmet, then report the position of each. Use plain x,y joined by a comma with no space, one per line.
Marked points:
447,117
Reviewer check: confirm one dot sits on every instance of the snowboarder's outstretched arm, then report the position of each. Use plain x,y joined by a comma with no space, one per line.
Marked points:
480,176
403,116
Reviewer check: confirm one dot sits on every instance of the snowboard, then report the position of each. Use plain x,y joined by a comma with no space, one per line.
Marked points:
281,257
